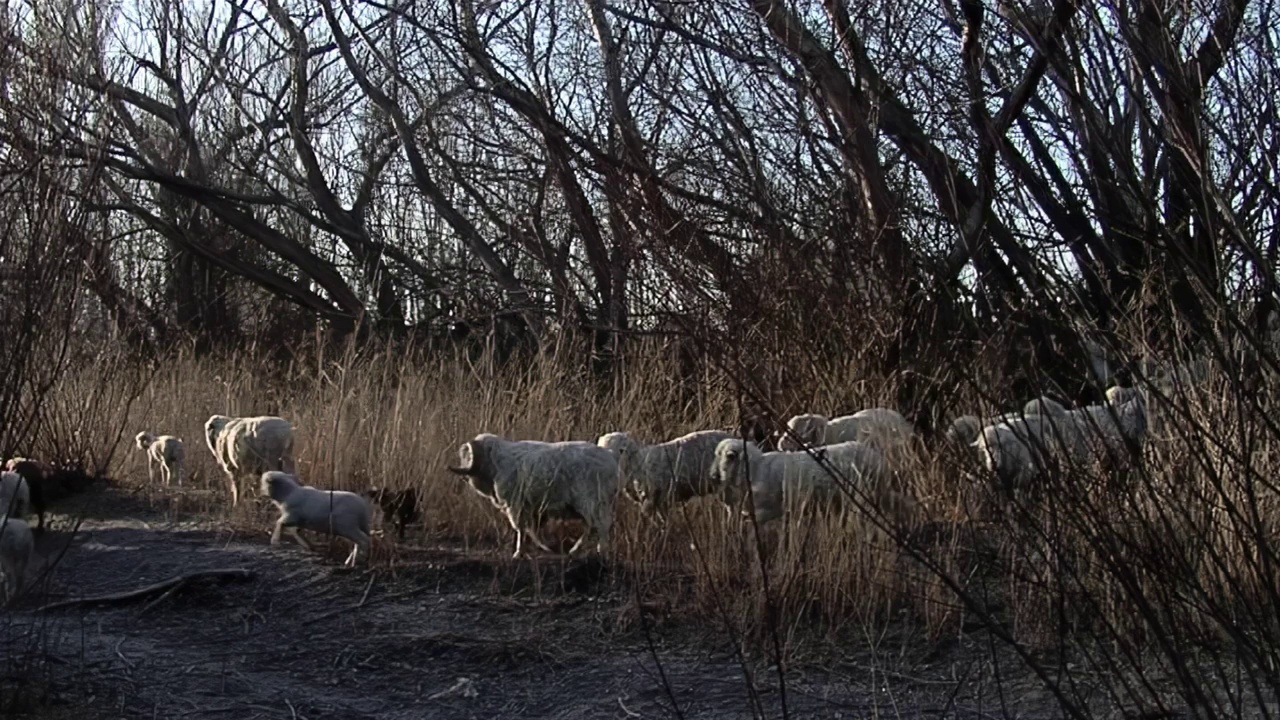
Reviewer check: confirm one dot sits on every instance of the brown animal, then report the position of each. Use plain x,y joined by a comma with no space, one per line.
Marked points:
50,483
402,505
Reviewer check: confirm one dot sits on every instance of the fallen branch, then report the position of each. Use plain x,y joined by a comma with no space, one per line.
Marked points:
171,584
167,594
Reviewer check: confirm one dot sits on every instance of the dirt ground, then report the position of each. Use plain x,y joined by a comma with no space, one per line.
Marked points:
444,633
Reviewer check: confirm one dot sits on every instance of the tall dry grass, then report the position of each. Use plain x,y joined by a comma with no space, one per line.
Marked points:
1141,568
396,420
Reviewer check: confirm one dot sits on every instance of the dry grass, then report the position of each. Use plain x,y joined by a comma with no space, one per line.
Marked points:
1179,549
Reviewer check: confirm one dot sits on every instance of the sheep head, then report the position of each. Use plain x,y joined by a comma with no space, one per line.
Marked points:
617,441
144,440
277,485
1131,408
1117,395
469,456
964,430
729,471
621,444
807,429
475,464
213,428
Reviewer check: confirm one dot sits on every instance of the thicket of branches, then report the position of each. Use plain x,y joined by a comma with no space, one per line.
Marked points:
927,178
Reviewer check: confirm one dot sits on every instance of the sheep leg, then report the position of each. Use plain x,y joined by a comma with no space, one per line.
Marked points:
231,487
650,510
603,528
581,541
178,469
599,527
359,548
285,461
19,576
519,545
364,544
151,469
293,531
537,541
275,534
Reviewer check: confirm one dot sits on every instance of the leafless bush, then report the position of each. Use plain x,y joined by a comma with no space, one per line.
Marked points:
713,211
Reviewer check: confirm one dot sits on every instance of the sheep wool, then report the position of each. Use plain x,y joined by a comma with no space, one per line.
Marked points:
658,476
1105,430
790,479
39,476
15,495
964,430
882,426
16,548
166,451
1012,451
1044,405
332,512
531,481
249,446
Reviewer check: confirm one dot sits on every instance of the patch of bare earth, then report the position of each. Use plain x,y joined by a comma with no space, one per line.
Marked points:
440,633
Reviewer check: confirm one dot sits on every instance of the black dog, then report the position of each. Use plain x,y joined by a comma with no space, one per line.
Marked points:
47,484
402,505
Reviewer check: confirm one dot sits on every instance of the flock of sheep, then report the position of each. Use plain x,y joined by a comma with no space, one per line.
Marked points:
530,482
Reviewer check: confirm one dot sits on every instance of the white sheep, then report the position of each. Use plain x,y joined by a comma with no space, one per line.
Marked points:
166,451
789,479
333,512
965,429
1169,396
1107,429
531,481
249,446
657,476
16,548
879,425
1016,450
15,495
1044,405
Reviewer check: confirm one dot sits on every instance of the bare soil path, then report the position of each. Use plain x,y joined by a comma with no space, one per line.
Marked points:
442,634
